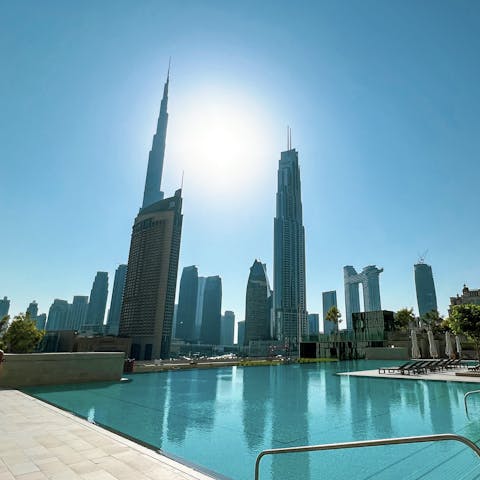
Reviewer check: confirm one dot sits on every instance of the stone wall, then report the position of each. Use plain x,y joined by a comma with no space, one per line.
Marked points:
22,370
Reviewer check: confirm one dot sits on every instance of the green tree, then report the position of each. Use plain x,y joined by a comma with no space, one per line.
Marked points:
432,320
22,335
3,329
333,315
403,319
465,319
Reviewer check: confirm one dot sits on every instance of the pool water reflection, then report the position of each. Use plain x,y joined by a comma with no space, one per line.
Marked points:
222,418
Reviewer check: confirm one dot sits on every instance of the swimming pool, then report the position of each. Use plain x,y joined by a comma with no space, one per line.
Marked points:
222,418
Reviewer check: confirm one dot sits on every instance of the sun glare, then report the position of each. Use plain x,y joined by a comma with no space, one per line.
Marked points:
224,145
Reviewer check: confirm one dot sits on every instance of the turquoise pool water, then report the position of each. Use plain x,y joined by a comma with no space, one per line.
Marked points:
222,418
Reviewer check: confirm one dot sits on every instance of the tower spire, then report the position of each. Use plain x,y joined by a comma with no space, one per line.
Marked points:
153,181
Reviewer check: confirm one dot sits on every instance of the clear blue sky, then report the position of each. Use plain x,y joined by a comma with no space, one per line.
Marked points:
383,99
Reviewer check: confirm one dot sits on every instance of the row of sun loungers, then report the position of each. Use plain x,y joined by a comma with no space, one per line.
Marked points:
423,366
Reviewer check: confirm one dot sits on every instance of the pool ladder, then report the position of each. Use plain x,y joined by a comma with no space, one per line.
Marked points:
368,443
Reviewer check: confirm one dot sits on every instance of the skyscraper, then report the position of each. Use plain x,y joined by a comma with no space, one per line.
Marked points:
241,333
149,295
187,304
153,182
199,307
313,323
41,321
4,307
212,311
77,315
329,300
258,304
227,328
32,310
426,296
369,278
97,303
289,291
57,315
113,319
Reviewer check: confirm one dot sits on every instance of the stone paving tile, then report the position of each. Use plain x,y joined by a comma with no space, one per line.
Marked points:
52,467
93,453
46,443
6,476
65,475
85,466
21,468
32,476
100,475
66,454
37,452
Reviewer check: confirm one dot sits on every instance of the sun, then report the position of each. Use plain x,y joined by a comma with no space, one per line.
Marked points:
223,143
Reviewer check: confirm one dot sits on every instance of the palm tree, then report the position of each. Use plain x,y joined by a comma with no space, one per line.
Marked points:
333,315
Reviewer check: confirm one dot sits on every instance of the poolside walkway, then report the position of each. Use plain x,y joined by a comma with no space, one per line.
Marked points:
443,376
39,441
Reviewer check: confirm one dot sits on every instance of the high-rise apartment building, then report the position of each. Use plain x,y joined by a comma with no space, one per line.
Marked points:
426,296
77,316
4,307
212,311
113,319
187,304
241,333
313,323
258,304
41,321
329,300
58,315
227,328
174,321
97,303
199,307
289,290
369,278
32,310
150,286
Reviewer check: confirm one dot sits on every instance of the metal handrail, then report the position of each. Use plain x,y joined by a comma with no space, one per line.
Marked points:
368,443
465,399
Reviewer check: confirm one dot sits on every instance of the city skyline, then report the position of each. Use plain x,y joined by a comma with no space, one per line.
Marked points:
369,118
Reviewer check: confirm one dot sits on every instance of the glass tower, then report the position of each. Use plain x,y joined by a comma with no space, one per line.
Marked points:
98,303
4,307
329,300
113,320
187,304
212,311
426,296
289,292
258,304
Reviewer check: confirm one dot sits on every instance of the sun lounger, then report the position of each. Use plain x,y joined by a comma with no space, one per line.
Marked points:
415,368
392,369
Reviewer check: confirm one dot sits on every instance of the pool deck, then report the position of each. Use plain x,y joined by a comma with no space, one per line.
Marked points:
39,441
443,376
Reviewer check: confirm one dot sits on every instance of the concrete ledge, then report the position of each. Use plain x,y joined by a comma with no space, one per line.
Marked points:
23,370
